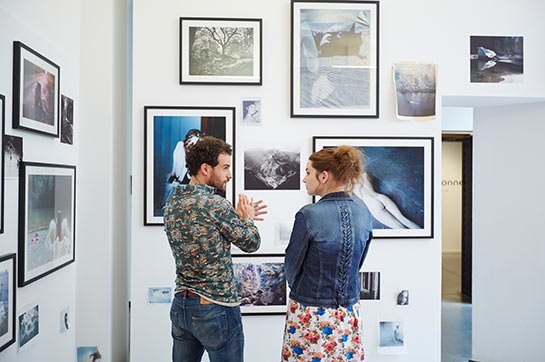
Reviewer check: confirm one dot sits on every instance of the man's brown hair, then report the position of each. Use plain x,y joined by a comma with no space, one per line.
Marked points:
206,151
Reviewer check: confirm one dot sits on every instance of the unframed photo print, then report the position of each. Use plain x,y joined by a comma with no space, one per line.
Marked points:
28,323
272,168
65,320
251,112
369,285
13,155
391,337
159,295
88,354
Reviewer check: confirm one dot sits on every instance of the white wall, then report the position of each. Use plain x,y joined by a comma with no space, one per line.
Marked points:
451,191
405,264
42,27
457,119
508,247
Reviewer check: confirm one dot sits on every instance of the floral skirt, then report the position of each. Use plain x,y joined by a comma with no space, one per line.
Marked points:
318,334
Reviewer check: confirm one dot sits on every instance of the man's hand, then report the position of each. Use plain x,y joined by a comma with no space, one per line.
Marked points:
248,208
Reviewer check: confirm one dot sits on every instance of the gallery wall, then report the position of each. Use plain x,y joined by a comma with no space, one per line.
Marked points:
508,248
31,23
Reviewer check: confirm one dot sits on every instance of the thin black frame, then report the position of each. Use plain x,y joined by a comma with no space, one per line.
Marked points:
23,222
262,256
292,35
17,79
258,20
3,115
431,140
3,258
204,108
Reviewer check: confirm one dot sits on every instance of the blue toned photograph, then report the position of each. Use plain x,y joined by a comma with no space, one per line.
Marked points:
88,354
251,112
334,58
171,136
497,59
4,302
29,326
260,284
393,186
159,295
391,334
415,90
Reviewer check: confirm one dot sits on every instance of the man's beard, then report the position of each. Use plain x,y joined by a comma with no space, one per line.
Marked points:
217,183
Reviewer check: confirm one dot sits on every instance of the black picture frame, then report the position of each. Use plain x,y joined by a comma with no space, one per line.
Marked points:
35,108
172,126
193,72
3,120
328,78
410,211
40,225
8,337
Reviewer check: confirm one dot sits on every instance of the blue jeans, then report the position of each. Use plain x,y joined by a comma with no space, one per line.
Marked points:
196,327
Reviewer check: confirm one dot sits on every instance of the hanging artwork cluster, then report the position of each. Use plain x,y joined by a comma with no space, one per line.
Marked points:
47,192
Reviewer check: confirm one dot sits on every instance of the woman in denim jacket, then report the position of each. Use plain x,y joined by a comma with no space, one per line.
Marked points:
328,245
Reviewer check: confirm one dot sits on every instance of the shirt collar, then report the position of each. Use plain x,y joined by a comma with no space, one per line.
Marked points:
337,196
201,187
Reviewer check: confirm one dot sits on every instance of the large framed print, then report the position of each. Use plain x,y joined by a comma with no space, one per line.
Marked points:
397,182
7,301
334,59
36,91
47,216
3,161
220,51
261,284
166,132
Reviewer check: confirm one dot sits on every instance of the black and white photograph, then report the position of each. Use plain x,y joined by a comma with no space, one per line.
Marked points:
7,301
261,284
47,214
29,325
251,112
168,133
403,297
65,320
391,337
36,90
497,59
272,168
13,155
415,85
369,285
159,295
220,51
67,120
334,58
397,182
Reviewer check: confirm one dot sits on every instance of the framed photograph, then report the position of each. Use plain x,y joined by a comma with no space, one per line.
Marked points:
166,132
334,59
36,91
7,301
220,51
369,285
67,120
28,324
3,161
497,59
397,182
261,284
47,216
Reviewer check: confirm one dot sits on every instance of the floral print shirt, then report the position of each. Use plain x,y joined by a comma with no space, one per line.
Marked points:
200,228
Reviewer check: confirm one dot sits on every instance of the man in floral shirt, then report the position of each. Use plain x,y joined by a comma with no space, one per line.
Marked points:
201,226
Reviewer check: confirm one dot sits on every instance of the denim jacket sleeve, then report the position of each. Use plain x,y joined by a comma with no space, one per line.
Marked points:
241,232
297,248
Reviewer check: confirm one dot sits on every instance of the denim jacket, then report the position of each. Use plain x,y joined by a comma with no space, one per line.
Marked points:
328,245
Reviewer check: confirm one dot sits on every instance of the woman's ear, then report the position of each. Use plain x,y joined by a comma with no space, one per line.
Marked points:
324,176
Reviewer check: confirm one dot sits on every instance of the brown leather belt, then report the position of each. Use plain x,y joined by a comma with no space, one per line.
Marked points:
191,294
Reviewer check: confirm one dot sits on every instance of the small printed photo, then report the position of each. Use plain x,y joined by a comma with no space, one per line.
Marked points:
391,337
29,326
65,320
369,285
497,59
159,295
272,168
283,233
251,113
13,155
67,120
403,297
88,354
415,85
